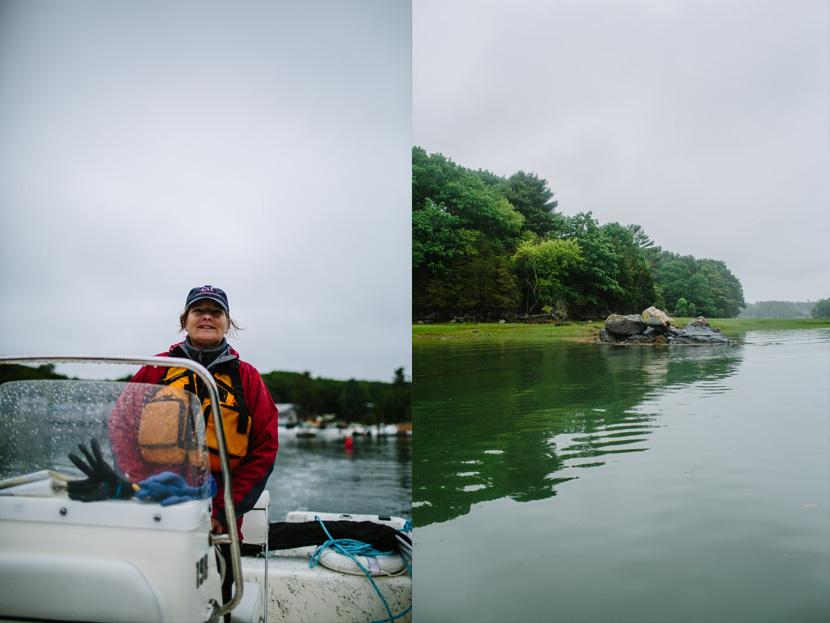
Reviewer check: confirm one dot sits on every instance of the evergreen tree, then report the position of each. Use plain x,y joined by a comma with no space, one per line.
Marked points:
531,196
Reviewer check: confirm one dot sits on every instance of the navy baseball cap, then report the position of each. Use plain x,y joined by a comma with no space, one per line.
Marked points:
207,292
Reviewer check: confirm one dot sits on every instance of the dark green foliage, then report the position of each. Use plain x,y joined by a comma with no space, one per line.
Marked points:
684,308
481,208
531,196
821,309
14,372
395,402
431,174
353,401
463,232
487,247
641,238
346,399
706,287
436,238
438,184
595,280
480,285
633,274
306,396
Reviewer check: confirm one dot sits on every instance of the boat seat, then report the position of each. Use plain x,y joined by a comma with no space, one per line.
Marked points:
255,525
255,522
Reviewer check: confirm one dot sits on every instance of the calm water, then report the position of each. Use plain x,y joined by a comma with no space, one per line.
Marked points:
374,478
583,483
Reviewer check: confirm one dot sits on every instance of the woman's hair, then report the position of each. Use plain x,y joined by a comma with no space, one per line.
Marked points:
233,328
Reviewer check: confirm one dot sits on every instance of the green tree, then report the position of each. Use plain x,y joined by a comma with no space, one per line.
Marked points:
473,238
306,396
431,173
545,269
464,231
481,285
708,284
700,292
821,309
463,194
436,237
532,198
684,308
595,279
482,208
352,401
395,402
633,273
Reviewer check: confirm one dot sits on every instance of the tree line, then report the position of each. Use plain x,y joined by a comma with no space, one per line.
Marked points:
778,309
350,401
821,309
486,247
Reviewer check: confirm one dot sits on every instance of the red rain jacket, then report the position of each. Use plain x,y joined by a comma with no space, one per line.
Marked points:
250,476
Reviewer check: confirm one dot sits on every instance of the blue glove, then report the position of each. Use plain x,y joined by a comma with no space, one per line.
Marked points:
168,488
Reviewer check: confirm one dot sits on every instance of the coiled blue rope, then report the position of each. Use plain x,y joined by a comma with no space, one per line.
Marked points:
353,548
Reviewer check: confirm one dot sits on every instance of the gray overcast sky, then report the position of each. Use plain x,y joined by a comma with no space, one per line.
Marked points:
708,123
263,147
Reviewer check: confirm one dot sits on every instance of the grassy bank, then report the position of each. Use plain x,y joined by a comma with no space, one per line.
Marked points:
583,331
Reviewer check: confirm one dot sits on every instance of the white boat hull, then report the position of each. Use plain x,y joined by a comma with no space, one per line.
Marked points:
70,561
297,594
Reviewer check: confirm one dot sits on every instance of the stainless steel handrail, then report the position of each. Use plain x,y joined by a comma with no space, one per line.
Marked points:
213,392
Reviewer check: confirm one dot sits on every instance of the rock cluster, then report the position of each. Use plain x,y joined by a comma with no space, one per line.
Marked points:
654,326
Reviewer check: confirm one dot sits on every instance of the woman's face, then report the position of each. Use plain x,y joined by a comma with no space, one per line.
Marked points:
206,324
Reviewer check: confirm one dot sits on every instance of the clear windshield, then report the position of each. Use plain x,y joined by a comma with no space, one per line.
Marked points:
142,429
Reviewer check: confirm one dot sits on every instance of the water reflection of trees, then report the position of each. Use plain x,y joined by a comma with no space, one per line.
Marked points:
495,421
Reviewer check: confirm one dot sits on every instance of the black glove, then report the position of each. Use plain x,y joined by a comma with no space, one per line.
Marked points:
102,482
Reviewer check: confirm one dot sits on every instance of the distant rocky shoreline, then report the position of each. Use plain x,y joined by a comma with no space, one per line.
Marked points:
654,326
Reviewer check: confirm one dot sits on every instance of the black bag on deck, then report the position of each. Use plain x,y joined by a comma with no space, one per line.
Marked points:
285,535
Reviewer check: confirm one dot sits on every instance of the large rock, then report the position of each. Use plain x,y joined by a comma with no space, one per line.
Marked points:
698,331
700,322
606,336
654,317
623,326
654,327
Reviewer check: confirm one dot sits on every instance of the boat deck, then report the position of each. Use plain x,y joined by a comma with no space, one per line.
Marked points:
297,594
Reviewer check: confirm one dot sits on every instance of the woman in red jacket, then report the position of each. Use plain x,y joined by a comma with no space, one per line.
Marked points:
249,415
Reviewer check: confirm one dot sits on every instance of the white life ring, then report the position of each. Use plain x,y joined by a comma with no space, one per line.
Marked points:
375,565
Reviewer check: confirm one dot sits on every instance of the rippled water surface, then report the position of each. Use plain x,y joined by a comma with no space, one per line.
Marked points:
374,478
580,482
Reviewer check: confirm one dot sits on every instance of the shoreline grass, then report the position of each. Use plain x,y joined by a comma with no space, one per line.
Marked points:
587,330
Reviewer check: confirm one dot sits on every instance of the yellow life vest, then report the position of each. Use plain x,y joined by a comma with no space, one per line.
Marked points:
165,436
166,430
